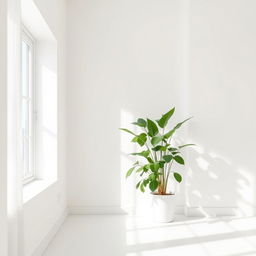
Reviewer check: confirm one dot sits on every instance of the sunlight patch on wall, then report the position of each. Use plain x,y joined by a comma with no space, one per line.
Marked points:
132,200
49,104
246,191
128,195
218,156
202,163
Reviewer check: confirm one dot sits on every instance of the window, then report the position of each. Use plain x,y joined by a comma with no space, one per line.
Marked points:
27,106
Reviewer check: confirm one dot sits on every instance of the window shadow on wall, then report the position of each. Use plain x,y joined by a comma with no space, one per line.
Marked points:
217,184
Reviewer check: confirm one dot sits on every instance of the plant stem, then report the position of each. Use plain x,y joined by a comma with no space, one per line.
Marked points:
168,174
150,151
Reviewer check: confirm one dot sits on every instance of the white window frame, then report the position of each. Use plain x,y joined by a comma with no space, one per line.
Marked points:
27,37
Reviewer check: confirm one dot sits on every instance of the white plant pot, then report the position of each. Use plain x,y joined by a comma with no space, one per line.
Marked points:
163,207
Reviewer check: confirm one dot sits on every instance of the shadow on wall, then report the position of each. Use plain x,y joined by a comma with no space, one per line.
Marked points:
216,185
213,185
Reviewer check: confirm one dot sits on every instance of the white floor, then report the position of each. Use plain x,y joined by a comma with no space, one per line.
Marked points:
126,236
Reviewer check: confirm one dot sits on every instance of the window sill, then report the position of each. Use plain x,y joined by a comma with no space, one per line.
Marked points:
34,188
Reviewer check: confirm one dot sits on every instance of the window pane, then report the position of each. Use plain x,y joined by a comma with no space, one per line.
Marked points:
27,111
25,159
25,117
25,69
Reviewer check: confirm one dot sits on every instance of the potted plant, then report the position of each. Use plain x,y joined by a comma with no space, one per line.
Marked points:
158,159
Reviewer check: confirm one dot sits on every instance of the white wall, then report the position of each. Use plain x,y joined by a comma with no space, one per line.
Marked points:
131,58
124,61
222,99
43,211
3,128
46,95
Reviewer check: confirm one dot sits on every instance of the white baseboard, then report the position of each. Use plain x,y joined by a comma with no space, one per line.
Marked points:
50,235
180,210
97,210
217,211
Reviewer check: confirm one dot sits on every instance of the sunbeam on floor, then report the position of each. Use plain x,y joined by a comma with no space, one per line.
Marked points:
129,236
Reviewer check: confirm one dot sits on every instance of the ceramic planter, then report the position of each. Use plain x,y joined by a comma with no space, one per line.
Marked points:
163,207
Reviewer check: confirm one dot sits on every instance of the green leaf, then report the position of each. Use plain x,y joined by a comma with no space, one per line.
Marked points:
142,188
129,172
140,122
161,148
181,123
152,176
152,128
150,160
174,151
179,159
157,148
126,130
154,167
162,122
186,145
140,169
146,167
144,153
140,139
161,164
167,158
156,140
177,177
136,163
145,182
171,132
153,185
138,184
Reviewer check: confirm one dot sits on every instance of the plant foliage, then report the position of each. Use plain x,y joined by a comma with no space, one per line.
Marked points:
158,156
